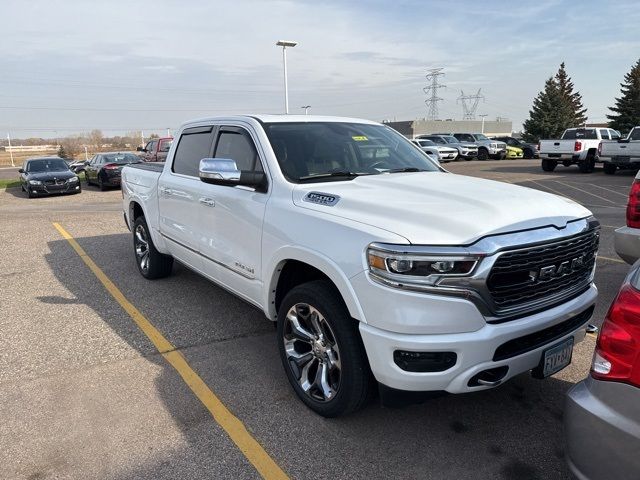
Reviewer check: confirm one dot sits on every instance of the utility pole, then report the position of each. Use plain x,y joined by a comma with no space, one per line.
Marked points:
168,132
306,109
432,91
469,109
142,137
10,150
483,115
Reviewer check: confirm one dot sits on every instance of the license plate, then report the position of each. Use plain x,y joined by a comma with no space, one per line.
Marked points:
555,358
623,159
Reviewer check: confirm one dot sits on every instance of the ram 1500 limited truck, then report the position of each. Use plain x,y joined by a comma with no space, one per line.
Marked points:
576,146
377,265
623,153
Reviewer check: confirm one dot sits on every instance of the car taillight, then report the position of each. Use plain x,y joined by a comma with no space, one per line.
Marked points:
633,206
577,146
617,354
600,148
111,166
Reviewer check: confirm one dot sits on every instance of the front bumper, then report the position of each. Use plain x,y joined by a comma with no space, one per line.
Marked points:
447,324
627,243
602,430
54,189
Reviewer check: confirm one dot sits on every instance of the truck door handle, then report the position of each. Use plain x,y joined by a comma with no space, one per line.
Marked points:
166,191
209,202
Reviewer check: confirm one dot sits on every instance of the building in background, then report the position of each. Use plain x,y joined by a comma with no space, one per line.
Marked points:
413,128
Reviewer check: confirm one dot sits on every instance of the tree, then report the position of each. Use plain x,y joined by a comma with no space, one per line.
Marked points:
62,153
95,138
572,112
72,146
555,109
626,112
544,116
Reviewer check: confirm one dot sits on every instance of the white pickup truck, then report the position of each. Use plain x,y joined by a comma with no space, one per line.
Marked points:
623,153
576,146
379,267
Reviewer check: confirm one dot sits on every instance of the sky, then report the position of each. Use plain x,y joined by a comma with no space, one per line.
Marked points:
72,66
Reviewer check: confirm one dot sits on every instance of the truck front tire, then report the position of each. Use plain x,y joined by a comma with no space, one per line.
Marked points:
322,351
549,165
151,263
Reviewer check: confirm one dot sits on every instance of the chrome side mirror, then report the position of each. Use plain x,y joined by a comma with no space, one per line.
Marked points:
222,171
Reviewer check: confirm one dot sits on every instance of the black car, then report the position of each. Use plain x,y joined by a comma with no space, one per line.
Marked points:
104,169
47,176
528,149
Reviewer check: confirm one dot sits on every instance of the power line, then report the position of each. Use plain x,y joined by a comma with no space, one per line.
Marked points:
432,91
469,108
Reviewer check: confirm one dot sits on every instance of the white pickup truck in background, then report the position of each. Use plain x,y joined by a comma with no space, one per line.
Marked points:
623,153
576,146
379,267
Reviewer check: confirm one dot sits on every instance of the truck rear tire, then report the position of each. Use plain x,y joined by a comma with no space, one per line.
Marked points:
322,351
609,168
588,164
151,263
549,165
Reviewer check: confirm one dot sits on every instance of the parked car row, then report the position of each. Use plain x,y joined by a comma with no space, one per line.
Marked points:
470,146
53,175
587,146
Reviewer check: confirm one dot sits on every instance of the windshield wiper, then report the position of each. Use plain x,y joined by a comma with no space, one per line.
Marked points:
405,169
341,173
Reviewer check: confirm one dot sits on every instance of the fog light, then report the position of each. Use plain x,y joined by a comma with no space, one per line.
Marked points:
424,361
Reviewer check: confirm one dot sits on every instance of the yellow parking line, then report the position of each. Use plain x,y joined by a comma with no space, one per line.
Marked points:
249,446
608,259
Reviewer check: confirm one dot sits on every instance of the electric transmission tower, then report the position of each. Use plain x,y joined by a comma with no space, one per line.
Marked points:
470,104
431,91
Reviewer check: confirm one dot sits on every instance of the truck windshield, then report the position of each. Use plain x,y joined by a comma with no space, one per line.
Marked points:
325,151
580,134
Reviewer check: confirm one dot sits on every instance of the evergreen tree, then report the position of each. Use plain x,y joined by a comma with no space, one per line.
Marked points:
555,109
627,109
62,153
544,117
572,112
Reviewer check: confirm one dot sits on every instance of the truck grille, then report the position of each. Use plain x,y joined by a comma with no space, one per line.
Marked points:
556,269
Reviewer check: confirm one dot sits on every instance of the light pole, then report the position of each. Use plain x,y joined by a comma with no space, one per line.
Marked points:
10,149
483,122
306,109
284,44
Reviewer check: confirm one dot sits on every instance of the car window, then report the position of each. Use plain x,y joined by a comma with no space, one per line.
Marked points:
580,134
635,134
614,134
464,137
238,146
151,146
437,140
165,145
604,134
193,146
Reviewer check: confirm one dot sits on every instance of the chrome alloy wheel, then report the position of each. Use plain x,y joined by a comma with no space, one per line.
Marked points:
142,247
312,352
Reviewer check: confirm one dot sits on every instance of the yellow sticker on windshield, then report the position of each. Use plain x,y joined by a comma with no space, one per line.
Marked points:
360,138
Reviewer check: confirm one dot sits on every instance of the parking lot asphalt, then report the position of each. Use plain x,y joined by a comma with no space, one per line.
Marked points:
85,394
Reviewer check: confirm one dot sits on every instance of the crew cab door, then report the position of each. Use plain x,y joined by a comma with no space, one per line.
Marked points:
231,218
179,194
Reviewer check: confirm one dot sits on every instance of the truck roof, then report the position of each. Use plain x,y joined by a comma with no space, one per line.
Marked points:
284,118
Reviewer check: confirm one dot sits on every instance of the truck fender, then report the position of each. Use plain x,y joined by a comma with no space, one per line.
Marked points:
317,260
135,204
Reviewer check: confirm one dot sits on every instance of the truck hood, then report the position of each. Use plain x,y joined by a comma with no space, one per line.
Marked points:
434,208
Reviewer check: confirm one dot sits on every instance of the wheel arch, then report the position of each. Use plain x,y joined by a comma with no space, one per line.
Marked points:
300,266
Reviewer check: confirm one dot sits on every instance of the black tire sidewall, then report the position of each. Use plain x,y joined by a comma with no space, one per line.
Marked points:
160,265
356,379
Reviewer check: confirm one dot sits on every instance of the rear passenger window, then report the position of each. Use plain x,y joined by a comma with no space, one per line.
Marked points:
239,147
194,145
604,134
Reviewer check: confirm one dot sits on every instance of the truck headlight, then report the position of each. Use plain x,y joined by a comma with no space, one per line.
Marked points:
418,268
35,182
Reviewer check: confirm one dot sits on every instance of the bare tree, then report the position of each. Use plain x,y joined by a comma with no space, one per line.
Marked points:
95,138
